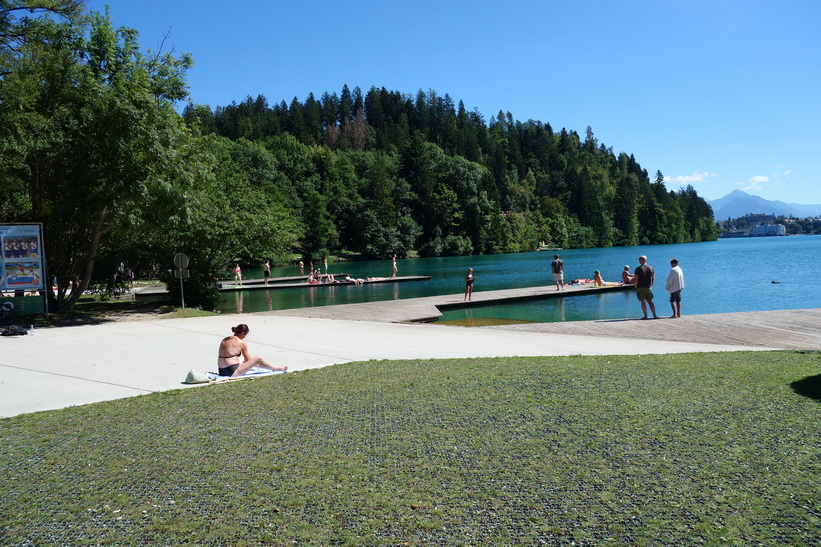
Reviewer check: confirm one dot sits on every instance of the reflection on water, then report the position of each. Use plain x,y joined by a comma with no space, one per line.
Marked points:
470,321
559,309
730,275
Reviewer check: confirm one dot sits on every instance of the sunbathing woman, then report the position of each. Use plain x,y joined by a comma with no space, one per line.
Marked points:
232,347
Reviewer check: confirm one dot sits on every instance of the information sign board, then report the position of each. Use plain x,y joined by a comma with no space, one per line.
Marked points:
22,266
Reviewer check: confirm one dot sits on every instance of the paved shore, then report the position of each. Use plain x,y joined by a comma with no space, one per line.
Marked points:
61,367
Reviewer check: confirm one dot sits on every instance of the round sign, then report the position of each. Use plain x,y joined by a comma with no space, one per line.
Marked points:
180,261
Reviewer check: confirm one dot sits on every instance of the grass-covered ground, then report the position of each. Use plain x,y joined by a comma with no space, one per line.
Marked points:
709,449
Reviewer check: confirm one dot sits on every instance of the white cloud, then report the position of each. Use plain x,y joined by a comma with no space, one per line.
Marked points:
781,172
756,183
689,179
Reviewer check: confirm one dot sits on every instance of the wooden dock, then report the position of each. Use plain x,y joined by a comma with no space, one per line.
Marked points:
428,308
782,329
300,282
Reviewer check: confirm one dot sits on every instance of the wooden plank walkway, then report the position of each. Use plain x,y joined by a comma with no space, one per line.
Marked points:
784,329
427,308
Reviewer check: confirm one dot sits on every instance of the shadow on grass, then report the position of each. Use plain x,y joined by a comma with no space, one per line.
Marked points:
808,387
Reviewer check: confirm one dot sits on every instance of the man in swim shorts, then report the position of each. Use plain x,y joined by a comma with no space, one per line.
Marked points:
643,279
557,267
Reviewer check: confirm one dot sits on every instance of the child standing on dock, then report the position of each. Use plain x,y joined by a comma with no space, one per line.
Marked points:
469,279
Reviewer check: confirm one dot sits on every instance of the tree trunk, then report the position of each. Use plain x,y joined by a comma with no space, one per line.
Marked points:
94,246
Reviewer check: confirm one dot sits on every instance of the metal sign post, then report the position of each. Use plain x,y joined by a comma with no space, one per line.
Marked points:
181,262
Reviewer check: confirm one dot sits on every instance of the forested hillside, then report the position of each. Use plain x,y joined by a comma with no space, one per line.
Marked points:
389,172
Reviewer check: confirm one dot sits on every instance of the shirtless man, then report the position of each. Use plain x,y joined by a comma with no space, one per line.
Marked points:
626,278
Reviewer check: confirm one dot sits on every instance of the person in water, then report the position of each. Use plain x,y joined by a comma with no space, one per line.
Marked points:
232,348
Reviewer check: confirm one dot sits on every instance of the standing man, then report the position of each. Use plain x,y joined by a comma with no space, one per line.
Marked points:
266,271
675,282
557,267
643,279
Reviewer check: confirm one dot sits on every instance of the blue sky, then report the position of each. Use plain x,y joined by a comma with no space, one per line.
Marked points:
720,94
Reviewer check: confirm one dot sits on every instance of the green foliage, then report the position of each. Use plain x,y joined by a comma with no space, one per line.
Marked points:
92,147
88,128
226,214
460,174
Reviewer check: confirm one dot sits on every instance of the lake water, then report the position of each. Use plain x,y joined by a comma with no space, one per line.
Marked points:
728,275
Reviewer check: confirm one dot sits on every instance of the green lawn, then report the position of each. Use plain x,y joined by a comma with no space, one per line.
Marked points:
709,449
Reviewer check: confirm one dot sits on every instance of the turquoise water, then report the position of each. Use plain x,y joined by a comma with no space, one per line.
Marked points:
729,275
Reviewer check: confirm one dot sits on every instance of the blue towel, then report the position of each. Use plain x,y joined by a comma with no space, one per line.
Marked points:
255,372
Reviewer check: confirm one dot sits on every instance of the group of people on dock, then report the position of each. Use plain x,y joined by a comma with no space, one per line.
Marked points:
642,279
315,275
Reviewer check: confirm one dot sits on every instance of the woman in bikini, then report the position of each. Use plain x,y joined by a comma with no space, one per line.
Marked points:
232,347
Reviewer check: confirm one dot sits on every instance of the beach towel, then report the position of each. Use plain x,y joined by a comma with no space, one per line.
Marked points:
255,372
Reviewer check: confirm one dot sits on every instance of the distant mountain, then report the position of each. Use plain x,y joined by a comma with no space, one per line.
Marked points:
737,204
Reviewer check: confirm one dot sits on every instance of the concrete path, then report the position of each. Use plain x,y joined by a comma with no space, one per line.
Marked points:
61,367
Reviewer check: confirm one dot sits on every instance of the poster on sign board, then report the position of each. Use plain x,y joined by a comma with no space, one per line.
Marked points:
21,268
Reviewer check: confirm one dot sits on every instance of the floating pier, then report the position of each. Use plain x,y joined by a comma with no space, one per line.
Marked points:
300,282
